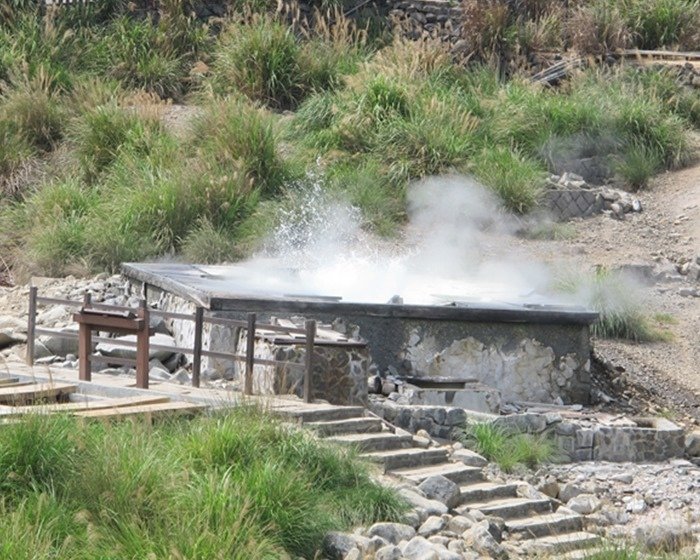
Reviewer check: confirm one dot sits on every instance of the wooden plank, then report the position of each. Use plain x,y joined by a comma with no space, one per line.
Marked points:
79,406
159,409
35,391
16,383
8,380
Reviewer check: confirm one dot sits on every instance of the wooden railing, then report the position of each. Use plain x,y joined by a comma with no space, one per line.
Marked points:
200,317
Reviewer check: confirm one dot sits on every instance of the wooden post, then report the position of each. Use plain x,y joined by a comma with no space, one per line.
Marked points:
249,356
142,347
197,351
308,371
85,345
31,325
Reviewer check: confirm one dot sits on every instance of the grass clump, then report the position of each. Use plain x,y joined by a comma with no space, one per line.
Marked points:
209,244
620,307
506,448
237,485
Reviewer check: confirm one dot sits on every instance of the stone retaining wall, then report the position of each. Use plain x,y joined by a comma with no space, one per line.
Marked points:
644,440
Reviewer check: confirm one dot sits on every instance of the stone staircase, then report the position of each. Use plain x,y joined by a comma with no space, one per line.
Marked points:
533,527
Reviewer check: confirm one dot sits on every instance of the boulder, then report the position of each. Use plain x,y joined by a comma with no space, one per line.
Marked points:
584,504
459,523
440,488
430,507
114,351
569,491
469,458
393,533
434,524
419,548
57,345
692,444
8,337
390,552
479,538
338,545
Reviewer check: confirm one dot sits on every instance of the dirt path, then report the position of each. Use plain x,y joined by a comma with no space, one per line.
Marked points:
666,234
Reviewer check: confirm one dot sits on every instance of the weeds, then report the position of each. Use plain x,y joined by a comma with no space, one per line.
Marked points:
506,448
236,485
613,296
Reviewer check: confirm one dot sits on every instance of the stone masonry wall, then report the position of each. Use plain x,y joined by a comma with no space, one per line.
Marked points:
339,373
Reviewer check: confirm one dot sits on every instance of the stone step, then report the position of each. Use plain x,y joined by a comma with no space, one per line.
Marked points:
456,472
510,508
311,413
486,491
404,458
563,543
374,442
545,525
347,426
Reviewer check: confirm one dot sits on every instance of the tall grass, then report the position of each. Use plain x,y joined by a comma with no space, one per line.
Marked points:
236,485
616,299
508,449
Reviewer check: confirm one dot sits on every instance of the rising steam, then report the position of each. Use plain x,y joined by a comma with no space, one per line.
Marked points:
454,250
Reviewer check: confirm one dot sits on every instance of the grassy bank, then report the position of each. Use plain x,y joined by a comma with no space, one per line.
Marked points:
236,486
94,170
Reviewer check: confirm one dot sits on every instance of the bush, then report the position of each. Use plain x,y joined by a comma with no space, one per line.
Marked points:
209,244
637,164
102,133
618,303
663,23
598,27
32,112
516,179
237,485
239,138
508,449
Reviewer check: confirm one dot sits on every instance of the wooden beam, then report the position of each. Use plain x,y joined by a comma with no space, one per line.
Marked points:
160,409
35,391
79,406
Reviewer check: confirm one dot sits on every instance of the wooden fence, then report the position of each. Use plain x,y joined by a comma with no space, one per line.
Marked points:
200,318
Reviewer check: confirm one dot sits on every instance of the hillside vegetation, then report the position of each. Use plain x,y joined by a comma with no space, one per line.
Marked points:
92,174
237,486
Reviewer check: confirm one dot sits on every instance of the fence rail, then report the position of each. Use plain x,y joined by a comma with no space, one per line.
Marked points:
199,318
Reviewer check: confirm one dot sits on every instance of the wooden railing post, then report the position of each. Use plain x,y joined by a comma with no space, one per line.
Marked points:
142,347
249,356
310,337
31,325
197,350
85,345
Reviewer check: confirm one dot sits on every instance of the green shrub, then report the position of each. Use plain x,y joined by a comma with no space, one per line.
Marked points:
102,133
209,244
508,449
57,234
620,308
516,179
239,138
637,164
32,112
14,148
598,27
663,23
140,54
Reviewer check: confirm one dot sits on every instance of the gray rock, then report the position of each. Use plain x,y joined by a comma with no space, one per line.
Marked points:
431,507
112,350
692,444
337,545
469,458
624,478
390,552
636,505
8,337
479,538
419,548
584,504
569,491
459,523
440,488
434,524
446,554
549,487
58,345
354,554
393,533
665,536
181,376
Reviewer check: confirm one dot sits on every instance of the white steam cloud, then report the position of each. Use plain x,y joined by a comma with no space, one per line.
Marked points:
455,249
